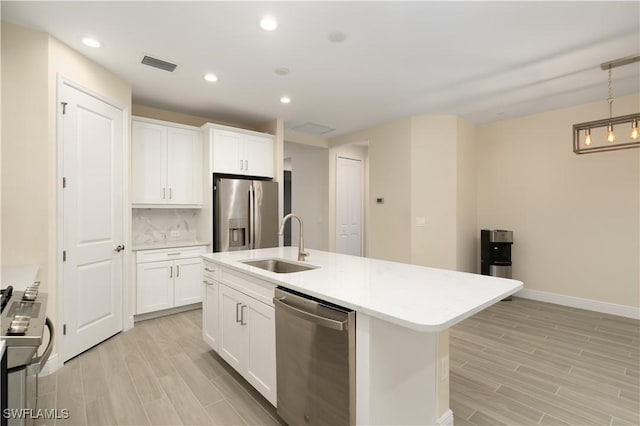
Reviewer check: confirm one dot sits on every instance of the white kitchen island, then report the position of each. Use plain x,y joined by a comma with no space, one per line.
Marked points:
403,313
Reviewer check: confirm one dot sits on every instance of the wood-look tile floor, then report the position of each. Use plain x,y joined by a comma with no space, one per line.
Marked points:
160,373
527,363
516,363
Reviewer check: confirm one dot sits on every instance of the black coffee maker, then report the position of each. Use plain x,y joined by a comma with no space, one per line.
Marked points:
495,253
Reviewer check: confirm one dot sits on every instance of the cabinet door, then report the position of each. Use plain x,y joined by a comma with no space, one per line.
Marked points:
230,330
148,163
154,286
210,313
261,348
226,152
258,155
183,166
187,281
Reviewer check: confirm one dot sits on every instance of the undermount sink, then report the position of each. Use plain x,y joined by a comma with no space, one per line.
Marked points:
278,266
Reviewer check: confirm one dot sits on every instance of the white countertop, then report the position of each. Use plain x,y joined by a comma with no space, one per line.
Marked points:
416,297
20,277
170,244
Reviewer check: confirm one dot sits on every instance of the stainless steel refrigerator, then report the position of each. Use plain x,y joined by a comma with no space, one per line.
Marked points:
245,214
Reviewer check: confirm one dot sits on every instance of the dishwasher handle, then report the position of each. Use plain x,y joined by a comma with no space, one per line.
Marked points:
316,319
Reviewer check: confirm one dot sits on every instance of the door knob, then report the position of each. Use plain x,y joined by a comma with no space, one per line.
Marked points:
119,248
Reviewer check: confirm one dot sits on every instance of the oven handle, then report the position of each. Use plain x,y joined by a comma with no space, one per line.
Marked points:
38,362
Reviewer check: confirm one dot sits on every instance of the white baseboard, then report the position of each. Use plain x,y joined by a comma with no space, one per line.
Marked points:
165,312
51,366
578,302
446,419
128,324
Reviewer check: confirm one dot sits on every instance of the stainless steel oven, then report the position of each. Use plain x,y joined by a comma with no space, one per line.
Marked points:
315,359
23,323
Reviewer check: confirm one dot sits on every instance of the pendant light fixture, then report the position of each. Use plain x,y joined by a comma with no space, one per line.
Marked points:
607,141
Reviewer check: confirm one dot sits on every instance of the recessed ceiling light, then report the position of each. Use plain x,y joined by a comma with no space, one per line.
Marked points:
268,23
91,42
211,77
337,37
285,99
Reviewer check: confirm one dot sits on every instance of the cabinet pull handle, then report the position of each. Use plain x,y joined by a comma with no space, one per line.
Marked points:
241,165
209,270
164,193
177,271
169,193
242,315
207,282
170,271
246,164
237,312
177,253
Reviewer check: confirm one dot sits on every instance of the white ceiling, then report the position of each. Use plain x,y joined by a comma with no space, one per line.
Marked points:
484,61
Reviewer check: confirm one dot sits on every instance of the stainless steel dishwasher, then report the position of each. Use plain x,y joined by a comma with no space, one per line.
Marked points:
315,360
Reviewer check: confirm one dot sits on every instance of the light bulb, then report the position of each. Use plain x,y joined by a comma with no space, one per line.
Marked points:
634,130
611,136
587,140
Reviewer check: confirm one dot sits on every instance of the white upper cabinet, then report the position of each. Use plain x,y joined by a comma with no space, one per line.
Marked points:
226,152
165,164
240,152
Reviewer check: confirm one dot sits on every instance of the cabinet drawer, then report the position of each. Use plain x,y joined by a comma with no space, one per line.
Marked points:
210,271
253,287
157,255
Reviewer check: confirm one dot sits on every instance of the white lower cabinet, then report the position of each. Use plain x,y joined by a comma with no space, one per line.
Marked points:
168,278
248,339
240,327
210,313
155,287
210,297
186,285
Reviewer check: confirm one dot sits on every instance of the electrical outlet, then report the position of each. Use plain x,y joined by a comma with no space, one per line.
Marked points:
175,233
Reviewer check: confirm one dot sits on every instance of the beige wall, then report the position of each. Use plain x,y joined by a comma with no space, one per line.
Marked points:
25,150
177,117
309,193
574,217
467,233
433,191
389,177
31,63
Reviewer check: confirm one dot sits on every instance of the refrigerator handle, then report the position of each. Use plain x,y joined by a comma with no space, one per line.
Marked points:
252,218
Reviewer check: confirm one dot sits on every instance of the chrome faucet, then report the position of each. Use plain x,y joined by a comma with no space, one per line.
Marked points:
301,253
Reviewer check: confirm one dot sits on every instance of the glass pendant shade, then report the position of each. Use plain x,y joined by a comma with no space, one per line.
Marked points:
634,130
611,136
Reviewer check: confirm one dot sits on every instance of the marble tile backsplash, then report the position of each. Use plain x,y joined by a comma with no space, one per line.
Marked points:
151,226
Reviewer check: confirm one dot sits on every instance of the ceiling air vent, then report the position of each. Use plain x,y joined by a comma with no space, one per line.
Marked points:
159,63
313,128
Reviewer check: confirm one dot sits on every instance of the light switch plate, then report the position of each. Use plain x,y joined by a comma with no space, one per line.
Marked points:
420,221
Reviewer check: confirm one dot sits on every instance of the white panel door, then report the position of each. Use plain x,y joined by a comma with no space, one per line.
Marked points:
92,202
148,163
261,348
349,206
154,286
183,155
187,281
226,152
258,155
231,331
